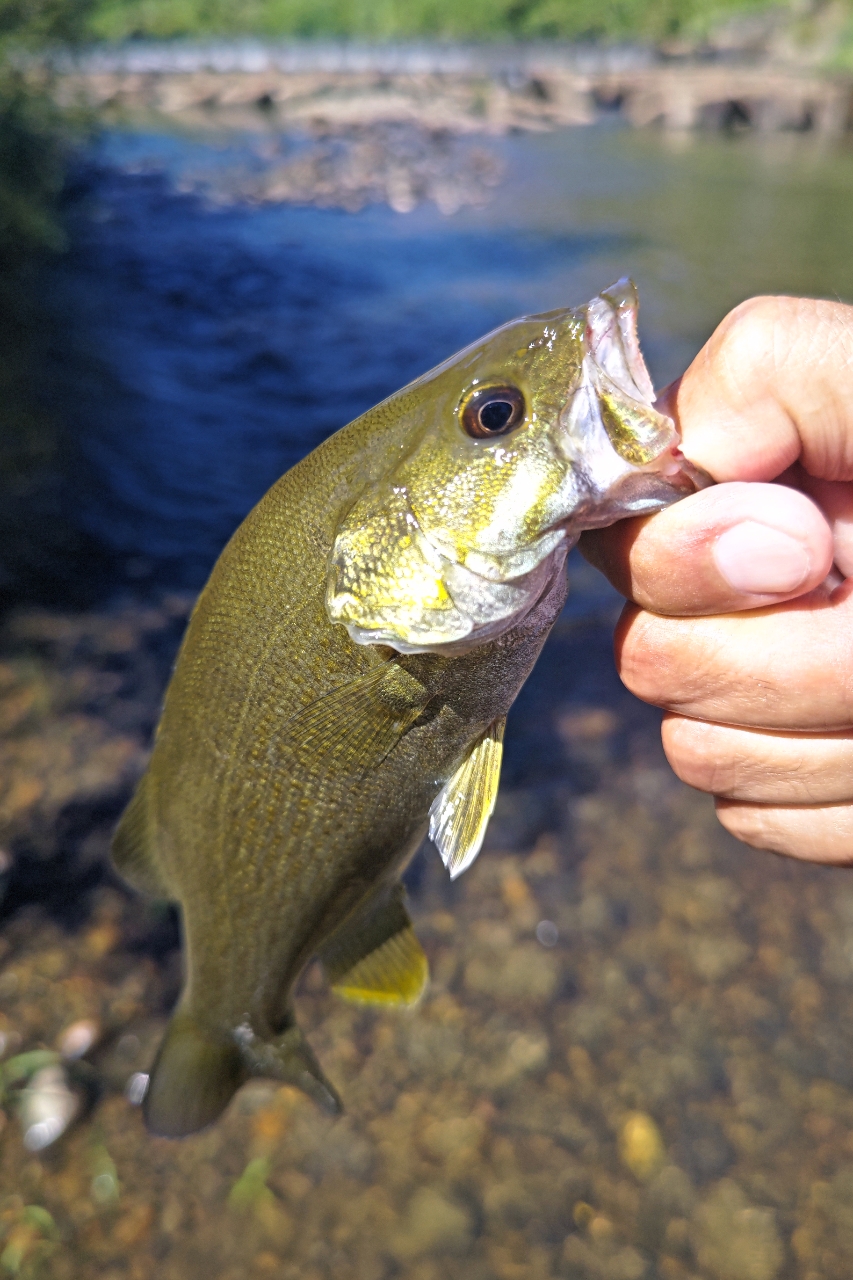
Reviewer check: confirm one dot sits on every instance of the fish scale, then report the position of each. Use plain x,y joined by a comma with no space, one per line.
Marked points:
346,674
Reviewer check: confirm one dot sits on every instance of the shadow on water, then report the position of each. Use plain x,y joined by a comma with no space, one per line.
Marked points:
43,544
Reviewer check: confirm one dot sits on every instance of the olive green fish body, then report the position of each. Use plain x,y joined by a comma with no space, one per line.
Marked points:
345,677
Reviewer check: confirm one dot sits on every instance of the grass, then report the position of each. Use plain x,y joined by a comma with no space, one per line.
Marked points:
400,19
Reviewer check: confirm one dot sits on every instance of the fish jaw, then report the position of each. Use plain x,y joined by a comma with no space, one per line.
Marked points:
458,543
625,454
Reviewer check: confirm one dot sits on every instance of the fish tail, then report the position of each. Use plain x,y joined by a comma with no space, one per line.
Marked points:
197,1071
199,1068
290,1059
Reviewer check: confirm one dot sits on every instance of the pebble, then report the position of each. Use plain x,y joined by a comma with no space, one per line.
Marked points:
641,1146
735,1240
47,1107
664,1094
78,1038
432,1224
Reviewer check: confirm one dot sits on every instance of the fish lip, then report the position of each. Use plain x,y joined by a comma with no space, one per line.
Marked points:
612,485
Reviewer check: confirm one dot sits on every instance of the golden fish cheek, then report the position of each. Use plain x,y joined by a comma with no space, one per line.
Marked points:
385,582
390,583
490,513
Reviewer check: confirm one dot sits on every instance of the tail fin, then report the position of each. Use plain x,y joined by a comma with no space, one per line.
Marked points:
193,1079
199,1068
290,1059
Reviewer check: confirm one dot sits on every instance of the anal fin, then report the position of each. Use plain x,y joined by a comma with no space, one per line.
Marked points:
376,958
460,812
132,847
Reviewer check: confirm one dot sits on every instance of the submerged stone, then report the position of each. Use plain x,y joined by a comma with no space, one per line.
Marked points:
641,1146
735,1240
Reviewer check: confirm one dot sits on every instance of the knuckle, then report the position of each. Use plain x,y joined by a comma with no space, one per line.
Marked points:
693,750
674,663
748,341
642,660
812,834
755,825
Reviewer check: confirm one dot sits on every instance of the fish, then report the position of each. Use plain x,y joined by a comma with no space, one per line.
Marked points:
344,681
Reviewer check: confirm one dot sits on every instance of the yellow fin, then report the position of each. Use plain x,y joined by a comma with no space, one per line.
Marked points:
460,812
132,847
356,726
376,958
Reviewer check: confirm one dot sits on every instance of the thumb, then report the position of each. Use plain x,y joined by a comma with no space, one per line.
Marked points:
731,547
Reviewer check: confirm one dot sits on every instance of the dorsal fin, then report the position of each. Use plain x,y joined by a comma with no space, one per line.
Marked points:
376,958
133,846
460,812
356,726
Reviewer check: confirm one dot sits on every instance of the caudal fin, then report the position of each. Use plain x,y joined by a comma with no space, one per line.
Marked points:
194,1077
199,1068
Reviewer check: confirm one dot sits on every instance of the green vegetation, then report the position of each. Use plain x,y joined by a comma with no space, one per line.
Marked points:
34,135
397,19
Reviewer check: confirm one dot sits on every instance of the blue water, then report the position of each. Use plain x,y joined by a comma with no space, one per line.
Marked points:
212,348
203,350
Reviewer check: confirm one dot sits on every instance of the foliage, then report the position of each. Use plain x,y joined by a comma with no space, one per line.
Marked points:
30,23
32,168
34,134
27,1238
389,19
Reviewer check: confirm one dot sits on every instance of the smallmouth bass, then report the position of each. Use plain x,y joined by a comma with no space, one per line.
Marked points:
346,674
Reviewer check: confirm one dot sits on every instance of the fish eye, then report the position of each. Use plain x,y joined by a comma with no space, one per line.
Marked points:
492,411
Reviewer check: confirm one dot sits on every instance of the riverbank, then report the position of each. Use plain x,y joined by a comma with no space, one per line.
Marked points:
327,88
634,1062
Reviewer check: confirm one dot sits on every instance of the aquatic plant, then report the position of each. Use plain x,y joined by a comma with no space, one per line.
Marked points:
27,1238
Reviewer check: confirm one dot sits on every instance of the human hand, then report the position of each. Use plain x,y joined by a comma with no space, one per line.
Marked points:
742,621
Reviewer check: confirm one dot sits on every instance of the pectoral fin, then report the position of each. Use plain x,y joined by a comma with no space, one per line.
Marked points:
376,958
133,847
356,726
460,812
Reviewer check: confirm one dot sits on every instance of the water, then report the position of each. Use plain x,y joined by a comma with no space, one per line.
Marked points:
198,353
612,954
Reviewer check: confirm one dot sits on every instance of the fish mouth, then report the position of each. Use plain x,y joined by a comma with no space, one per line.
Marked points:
625,452
622,456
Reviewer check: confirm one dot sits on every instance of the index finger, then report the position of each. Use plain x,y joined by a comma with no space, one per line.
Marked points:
772,386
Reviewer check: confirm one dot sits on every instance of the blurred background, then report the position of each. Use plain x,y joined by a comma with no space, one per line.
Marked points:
224,233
